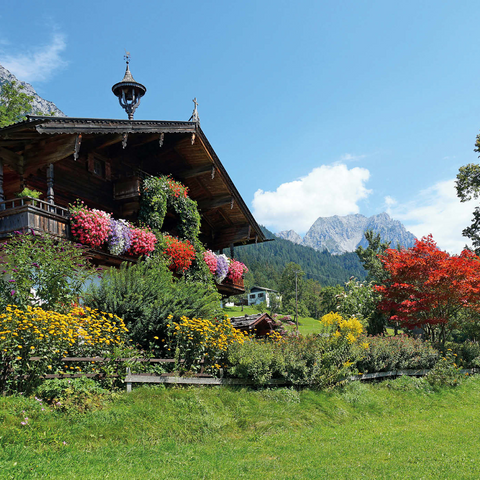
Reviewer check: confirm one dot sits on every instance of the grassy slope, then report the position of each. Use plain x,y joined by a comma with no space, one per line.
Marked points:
219,433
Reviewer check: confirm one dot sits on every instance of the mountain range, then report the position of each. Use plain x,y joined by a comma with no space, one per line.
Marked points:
39,105
341,234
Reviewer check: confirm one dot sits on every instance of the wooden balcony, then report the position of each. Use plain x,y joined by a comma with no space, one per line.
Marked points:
28,214
229,288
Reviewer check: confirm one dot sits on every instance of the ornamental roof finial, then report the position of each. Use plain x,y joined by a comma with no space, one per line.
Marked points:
195,117
128,91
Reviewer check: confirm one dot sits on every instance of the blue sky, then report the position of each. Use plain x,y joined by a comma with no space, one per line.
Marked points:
315,108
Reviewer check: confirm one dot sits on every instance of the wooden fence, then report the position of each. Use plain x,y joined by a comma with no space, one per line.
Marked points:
204,379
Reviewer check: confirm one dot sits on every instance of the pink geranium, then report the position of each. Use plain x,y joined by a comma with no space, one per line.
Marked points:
142,241
89,227
211,261
236,270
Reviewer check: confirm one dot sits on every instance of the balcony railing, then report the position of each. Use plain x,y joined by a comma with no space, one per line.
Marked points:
24,214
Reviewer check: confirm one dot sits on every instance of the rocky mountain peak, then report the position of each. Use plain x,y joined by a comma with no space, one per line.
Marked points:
40,106
340,234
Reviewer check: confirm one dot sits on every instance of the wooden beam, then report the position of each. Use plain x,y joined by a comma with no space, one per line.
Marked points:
215,202
227,236
11,159
53,151
195,172
112,140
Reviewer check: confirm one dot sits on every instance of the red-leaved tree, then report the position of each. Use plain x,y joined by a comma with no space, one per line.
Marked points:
428,287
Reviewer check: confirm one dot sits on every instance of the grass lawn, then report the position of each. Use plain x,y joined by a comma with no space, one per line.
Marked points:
399,429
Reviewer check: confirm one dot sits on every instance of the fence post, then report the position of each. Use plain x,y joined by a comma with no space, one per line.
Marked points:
129,384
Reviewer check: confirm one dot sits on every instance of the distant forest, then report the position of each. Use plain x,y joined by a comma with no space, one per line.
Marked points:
266,262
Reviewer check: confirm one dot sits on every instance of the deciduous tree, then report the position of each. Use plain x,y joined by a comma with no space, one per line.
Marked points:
427,287
14,104
370,256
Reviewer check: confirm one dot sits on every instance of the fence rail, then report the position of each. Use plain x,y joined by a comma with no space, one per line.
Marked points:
15,203
203,379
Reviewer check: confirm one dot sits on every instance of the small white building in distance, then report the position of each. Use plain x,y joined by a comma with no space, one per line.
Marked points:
261,294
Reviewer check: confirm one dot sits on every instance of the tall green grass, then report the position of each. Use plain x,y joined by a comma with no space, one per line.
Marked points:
398,429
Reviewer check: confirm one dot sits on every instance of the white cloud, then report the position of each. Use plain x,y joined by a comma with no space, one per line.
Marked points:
351,157
325,191
439,212
39,64
389,202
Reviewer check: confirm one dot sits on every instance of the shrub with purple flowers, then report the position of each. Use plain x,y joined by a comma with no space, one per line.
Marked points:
119,240
222,268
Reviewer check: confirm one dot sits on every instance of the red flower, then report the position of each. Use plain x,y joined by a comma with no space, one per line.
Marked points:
180,253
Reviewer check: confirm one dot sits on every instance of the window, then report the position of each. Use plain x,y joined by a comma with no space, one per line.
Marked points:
261,295
99,168
252,297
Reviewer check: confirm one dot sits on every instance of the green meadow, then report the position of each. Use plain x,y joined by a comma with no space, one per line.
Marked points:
395,429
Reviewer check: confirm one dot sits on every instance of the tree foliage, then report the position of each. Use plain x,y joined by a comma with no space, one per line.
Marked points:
370,257
41,270
428,287
468,188
14,104
145,295
360,300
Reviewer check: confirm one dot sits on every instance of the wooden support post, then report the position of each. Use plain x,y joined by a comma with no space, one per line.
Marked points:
231,251
2,194
50,194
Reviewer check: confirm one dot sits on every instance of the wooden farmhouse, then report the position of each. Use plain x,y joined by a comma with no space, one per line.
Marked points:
260,324
261,294
102,162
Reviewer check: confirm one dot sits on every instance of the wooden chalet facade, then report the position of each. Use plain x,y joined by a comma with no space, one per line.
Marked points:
102,162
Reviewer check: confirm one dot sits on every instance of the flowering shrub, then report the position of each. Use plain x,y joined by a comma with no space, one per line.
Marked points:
222,268
89,227
236,270
211,261
142,241
119,239
50,335
349,328
42,270
162,193
179,253
196,338
314,361
383,354
178,189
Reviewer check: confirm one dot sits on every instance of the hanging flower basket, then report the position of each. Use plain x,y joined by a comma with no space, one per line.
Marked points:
236,270
142,241
180,253
120,238
89,227
222,268
211,261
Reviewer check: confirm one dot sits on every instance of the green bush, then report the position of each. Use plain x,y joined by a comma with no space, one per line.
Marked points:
446,372
396,353
42,270
257,360
318,361
468,353
76,394
145,295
